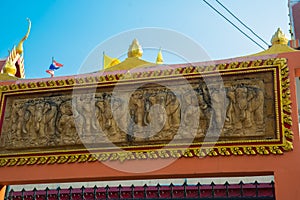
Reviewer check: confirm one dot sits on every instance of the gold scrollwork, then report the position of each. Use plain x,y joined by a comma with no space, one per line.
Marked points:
275,150
73,158
92,158
287,119
62,159
152,154
212,152
3,162
288,146
52,159
42,160
174,153
249,150
236,151
140,155
83,158
13,162
224,151
103,156
13,87
22,161
32,160
262,150
288,133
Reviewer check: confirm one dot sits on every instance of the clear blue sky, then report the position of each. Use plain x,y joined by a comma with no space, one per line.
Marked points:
70,29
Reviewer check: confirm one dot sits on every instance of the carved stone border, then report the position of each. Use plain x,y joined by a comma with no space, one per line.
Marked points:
283,121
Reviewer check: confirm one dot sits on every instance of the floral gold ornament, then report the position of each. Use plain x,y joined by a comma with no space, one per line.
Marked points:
14,63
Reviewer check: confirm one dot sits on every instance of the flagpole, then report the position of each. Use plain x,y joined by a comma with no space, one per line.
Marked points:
103,60
52,59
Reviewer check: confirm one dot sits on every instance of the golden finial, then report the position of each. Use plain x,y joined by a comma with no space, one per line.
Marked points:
279,38
135,49
109,61
20,45
279,45
10,67
159,58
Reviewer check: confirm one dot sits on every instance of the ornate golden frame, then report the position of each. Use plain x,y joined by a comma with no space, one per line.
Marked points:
262,147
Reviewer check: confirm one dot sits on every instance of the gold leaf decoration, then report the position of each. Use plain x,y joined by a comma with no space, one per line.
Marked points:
262,150
288,146
236,151
275,150
288,133
249,151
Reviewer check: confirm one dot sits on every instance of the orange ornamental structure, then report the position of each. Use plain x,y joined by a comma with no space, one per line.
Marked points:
140,120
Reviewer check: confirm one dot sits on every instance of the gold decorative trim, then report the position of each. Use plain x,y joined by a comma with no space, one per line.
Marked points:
140,155
259,147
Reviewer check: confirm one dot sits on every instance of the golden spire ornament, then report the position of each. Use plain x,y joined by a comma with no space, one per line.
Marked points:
279,38
20,45
14,65
159,58
135,49
279,45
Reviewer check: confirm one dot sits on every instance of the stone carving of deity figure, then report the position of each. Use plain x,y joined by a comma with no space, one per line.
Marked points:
137,107
85,110
18,125
100,112
38,119
245,109
156,116
191,113
218,108
110,124
50,113
66,124
172,107
43,115
204,117
120,113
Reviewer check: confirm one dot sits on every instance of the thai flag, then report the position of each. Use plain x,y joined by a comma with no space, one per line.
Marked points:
54,66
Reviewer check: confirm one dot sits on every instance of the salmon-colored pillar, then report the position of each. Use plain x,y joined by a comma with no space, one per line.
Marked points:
287,175
286,185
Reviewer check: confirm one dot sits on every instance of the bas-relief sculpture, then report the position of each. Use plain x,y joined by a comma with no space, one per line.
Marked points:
153,114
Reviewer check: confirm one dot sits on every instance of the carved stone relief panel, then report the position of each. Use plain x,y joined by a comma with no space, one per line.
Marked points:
238,108
182,111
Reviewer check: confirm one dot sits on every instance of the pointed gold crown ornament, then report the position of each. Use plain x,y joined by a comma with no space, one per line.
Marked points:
279,45
135,49
159,58
279,38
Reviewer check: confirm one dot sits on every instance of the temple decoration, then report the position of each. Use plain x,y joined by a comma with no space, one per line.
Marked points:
109,61
48,121
279,45
135,49
19,48
9,67
12,68
279,38
159,58
133,60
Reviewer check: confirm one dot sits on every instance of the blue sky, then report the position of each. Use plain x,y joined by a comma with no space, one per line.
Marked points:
70,30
